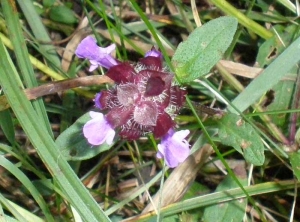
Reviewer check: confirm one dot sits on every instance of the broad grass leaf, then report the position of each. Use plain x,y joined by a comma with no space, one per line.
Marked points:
281,96
282,92
203,48
232,210
278,69
74,145
235,132
295,162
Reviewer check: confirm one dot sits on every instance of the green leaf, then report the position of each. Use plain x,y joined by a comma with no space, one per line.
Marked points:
48,3
39,32
235,132
7,126
13,169
284,89
295,162
24,64
218,197
283,93
74,145
203,48
232,210
268,78
77,195
62,14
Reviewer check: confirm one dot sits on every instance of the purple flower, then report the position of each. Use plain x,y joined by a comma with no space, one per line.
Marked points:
144,99
88,49
98,130
154,52
97,99
174,148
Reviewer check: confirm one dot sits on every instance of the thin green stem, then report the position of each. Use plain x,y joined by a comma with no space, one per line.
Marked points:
243,19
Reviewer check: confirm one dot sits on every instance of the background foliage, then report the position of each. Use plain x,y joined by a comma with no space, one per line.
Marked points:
245,161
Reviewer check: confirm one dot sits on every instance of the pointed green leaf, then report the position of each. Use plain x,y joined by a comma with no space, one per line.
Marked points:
74,145
203,48
235,132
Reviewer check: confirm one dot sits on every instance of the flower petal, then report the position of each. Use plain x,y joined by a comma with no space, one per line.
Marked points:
98,130
171,160
87,48
154,52
97,100
180,135
160,153
98,56
174,148
179,149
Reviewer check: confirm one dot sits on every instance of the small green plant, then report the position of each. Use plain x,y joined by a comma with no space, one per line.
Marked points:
150,115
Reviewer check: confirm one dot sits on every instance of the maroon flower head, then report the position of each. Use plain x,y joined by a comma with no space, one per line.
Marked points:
144,99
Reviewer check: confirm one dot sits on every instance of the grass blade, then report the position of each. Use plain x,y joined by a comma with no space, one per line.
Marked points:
267,79
12,19
77,195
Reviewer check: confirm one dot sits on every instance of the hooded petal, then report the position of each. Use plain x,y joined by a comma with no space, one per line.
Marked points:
98,56
87,49
174,148
154,52
98,130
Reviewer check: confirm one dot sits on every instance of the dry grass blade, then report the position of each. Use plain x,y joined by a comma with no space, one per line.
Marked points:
241,69
177,183
54,87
